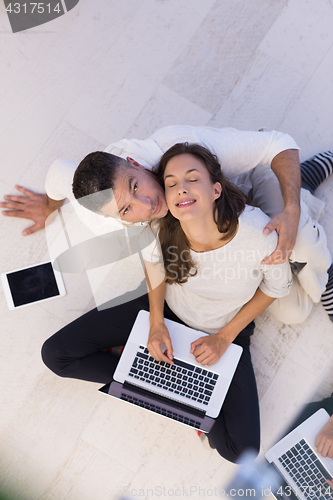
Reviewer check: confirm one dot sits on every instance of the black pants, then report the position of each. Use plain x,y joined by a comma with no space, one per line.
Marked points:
77,351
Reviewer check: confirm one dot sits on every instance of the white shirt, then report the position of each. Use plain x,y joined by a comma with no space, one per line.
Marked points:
229,276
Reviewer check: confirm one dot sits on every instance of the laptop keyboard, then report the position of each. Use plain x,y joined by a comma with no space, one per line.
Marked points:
192,382
307,471
162,411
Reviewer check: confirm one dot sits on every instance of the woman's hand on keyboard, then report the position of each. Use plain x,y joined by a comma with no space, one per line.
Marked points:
324,441
159,335
207,350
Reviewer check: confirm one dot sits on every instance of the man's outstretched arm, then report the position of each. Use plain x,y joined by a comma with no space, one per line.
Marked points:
34,206
287,169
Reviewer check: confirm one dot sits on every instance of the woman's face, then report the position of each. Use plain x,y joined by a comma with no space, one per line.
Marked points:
189,191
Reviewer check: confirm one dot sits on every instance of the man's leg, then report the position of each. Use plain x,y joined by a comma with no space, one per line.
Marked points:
266,193
327,296
311,246
293,308
315,170
237,427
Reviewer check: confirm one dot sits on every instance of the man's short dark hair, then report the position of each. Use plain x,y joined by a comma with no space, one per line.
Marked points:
96,176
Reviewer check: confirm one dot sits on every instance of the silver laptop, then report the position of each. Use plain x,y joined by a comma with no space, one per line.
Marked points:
186,391
303,470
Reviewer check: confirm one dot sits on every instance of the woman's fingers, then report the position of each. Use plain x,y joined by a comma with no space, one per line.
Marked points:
169,349
157,338
203,352
195,345
158,354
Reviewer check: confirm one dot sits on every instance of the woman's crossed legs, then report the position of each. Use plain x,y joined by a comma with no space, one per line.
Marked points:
78,351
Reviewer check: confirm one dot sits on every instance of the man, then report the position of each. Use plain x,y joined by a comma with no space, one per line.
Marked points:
138,197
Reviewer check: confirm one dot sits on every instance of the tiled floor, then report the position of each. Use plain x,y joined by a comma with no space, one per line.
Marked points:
110,69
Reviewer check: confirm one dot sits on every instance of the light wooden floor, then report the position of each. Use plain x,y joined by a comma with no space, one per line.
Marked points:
113,69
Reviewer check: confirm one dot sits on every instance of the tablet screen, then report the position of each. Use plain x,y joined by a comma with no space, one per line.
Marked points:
33,284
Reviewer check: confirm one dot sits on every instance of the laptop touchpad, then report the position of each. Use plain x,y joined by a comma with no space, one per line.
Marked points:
181,340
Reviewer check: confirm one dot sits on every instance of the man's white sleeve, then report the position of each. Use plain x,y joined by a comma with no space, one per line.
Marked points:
277,279
59,180
237,151
150,244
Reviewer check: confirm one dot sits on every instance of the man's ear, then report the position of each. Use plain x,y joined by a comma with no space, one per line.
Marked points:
135,163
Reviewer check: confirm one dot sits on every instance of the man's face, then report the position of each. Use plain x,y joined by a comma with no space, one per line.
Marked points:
138,197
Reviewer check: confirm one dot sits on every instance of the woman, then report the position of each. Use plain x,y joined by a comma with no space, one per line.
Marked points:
213,245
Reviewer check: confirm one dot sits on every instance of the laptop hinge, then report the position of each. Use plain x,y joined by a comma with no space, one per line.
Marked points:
167,400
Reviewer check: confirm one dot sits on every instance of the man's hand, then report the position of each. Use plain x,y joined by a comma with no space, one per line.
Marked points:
286,225
34,206
159,335
324,441
208,350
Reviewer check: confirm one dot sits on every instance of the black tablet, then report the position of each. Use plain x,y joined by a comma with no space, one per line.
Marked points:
32,284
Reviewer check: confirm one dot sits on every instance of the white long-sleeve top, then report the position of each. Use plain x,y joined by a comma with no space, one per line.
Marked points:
228,277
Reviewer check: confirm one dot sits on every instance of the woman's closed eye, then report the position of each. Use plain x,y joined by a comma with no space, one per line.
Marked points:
173,185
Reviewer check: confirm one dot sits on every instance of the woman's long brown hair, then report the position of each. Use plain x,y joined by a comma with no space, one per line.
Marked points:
178,262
